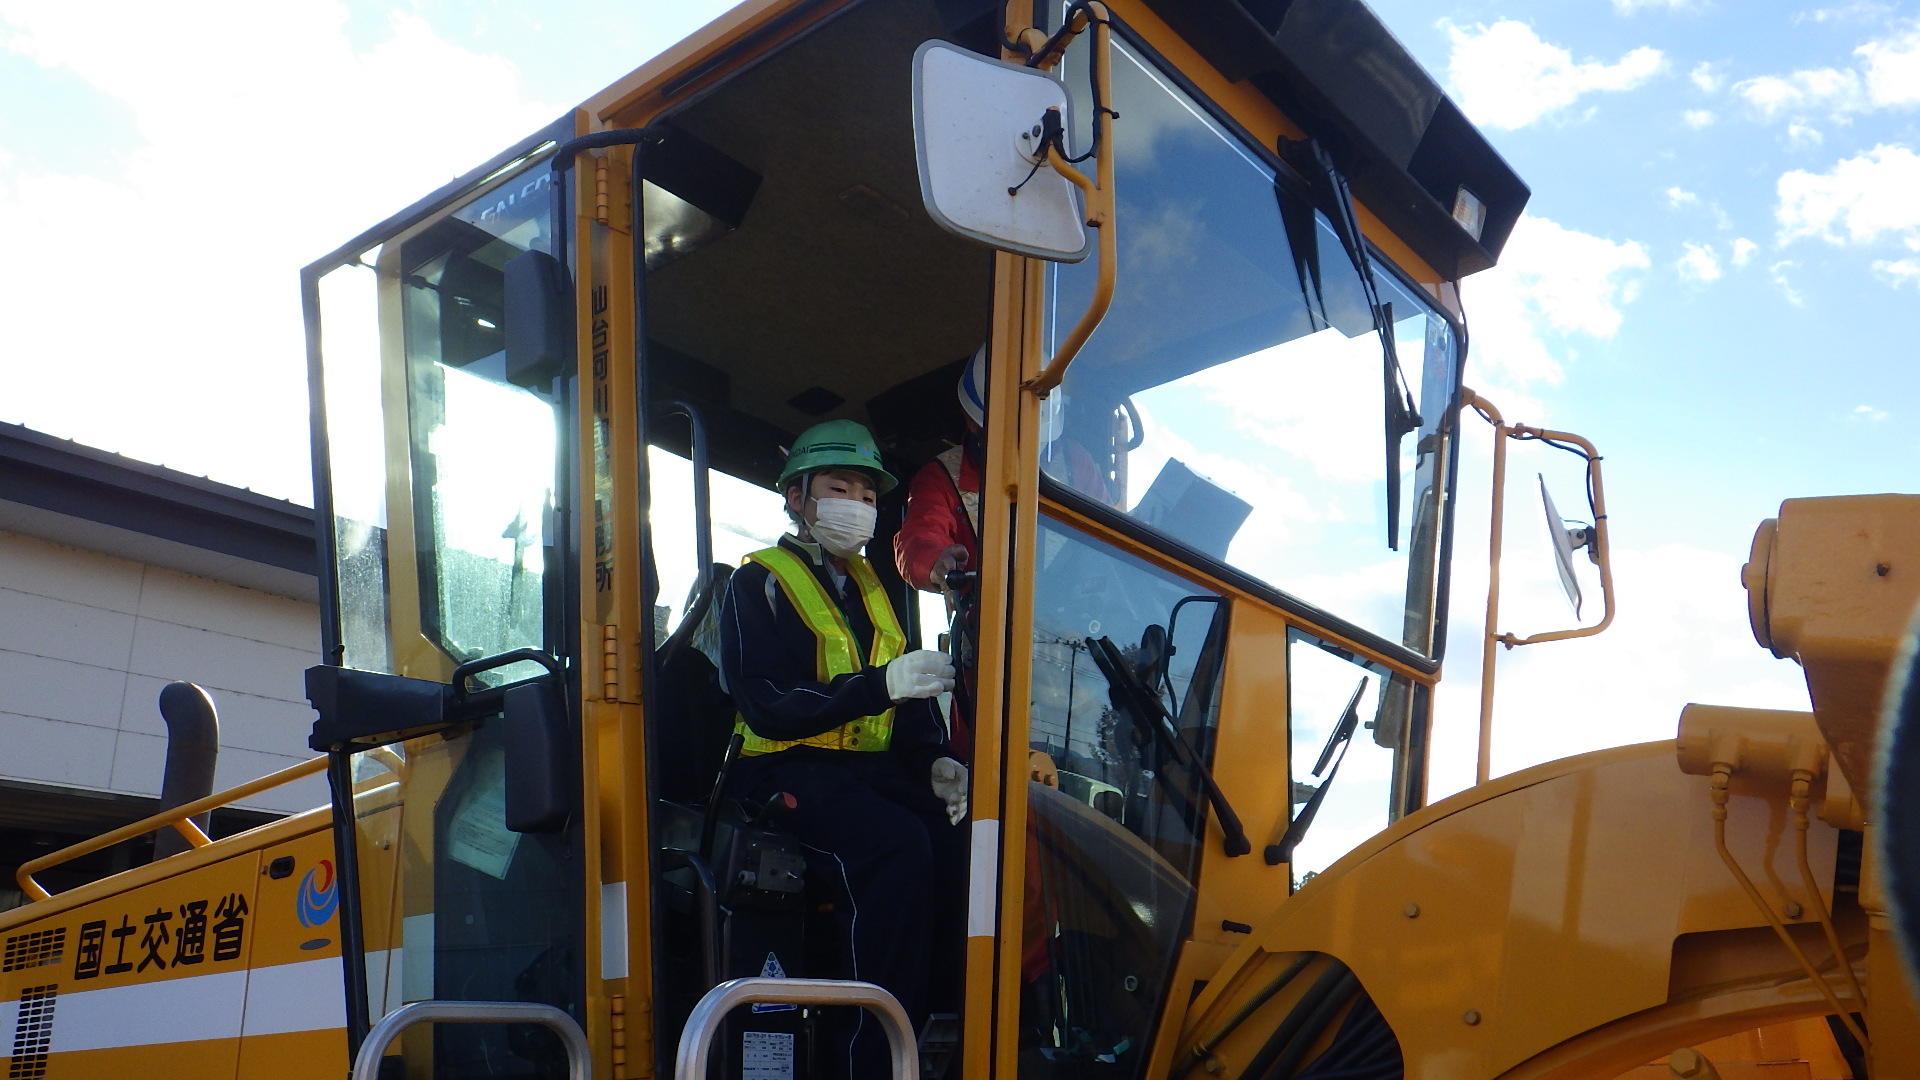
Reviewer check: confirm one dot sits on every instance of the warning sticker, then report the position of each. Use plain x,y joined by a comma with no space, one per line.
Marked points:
772,969
766,1055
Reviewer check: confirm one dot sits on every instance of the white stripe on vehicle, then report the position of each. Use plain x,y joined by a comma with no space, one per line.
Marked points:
275,1000
295,997
983,877
168,1011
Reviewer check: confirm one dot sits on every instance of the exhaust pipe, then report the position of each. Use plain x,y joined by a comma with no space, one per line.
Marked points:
193,744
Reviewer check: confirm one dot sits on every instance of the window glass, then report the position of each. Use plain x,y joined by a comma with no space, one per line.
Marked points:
1115,846
484,451
1348,725
356,460
454,905
1235,396
746,518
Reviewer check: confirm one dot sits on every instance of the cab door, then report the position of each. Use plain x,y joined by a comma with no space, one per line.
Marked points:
447,632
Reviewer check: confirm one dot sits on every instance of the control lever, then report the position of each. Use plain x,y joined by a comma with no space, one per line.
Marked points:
781,803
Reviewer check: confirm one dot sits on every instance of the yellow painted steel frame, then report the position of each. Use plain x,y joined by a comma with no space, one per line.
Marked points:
1253,692
1569,921
1602,554
203,964
1251,751
619,950
1098,192
179,817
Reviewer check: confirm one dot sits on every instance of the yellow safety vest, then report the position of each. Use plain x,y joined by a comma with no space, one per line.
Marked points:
836,650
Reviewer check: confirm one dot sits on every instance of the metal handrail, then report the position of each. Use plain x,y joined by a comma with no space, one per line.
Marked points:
366,1064
1602,554
696,1039
176,816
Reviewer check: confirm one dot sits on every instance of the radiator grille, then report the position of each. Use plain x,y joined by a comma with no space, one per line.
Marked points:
34,950
33,1033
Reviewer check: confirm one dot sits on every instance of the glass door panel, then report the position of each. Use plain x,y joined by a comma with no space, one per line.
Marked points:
456,906
1114,848
442,476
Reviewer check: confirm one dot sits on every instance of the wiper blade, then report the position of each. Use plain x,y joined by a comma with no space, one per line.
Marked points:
1401,417
1332,197
1133,696
1341,738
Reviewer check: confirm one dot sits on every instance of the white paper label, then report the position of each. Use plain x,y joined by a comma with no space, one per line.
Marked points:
766,1055
478,836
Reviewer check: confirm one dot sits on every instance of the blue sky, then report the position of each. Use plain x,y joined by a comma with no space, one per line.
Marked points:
1717,281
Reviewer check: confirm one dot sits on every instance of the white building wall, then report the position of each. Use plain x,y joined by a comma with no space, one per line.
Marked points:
86,642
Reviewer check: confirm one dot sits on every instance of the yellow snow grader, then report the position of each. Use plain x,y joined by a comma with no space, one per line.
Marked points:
1212,250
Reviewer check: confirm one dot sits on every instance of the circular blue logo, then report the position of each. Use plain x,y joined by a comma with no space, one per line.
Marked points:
318,898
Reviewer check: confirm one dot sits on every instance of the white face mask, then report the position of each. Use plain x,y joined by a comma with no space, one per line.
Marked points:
843,526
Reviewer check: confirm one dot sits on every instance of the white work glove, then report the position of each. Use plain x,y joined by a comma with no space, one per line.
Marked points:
950,786
920,674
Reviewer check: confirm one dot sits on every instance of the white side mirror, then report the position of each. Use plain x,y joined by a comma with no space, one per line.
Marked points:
969,113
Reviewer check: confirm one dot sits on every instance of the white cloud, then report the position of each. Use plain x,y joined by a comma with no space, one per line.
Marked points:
1862,198
1628,7
1551,281
1860,11
1869,414
1888,75
258,117
1506,77
1778,271
1743,250
1697,118
1679,198
1823,88
1893,68
1699,263
1898,272
1707,77
1801,136
1680,628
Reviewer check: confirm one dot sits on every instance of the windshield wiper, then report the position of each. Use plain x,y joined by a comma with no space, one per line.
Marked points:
1133,696
1341,738
1332,198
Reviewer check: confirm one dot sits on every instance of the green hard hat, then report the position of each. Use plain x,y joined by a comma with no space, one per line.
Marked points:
836,444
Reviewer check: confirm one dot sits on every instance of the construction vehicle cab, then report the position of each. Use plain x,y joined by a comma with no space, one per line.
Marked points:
1217,549
1218,469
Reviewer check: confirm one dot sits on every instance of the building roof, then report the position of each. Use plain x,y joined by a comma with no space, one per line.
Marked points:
60,490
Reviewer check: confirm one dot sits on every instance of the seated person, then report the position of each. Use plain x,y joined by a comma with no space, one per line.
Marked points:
836,714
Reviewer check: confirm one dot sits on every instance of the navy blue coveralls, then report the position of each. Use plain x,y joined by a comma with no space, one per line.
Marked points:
872,827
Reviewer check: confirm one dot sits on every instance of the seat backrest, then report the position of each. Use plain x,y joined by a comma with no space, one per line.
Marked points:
694,716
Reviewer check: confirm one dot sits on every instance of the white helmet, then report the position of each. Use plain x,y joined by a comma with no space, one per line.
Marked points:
1053,416
973,388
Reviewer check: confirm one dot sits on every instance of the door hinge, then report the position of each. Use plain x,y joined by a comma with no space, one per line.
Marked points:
602,198
617,1028
610,662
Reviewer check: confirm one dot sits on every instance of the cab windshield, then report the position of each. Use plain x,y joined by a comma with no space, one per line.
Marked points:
1234,397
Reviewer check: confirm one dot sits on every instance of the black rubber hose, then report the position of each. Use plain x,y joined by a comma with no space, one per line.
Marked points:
1205,1050
1278,1042
1364,1048
1289,1060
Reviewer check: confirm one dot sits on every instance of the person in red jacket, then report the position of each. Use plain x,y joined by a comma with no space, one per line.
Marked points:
941,534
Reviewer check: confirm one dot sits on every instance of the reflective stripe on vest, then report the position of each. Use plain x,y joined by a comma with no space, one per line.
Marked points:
836,650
